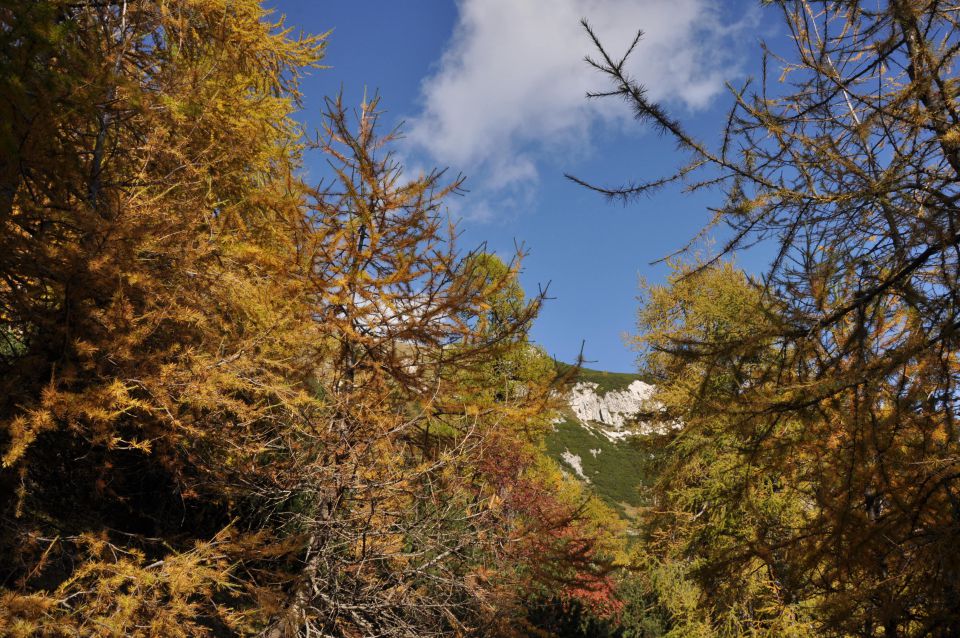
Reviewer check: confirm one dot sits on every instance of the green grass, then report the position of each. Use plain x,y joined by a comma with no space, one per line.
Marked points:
606,381
616,472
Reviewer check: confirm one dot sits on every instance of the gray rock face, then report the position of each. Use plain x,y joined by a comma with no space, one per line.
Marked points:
573,460
615,410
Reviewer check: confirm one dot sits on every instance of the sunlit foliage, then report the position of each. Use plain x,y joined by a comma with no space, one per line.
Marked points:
825,409
232,403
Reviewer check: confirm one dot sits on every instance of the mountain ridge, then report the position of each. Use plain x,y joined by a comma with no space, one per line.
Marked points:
599,438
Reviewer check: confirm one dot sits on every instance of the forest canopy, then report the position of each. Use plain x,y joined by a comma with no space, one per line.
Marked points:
235,402
814,487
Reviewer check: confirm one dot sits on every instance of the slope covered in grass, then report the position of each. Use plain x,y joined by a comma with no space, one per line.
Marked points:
615,470
606,381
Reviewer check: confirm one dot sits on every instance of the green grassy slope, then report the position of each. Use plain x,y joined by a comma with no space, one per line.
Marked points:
606,381
616,470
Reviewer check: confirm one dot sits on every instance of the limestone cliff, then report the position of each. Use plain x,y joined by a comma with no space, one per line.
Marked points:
617,412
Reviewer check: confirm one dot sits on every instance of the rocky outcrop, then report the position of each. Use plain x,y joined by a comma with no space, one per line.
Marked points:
573,460
614,410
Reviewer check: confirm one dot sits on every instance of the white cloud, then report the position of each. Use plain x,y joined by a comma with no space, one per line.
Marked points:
510,86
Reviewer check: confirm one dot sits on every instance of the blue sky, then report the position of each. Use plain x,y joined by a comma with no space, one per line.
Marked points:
495,89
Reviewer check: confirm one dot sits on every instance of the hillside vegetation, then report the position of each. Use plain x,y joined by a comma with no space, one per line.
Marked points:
616,470
606,381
